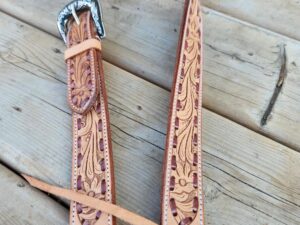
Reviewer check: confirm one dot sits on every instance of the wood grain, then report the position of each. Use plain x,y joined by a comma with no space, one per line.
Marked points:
276,15
240,71
249,179
22,204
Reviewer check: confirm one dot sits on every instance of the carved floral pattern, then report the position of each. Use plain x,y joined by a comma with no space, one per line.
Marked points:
91,177
91,167
183,186
82,88
81,81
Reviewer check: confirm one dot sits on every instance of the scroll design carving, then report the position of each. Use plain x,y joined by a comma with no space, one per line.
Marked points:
183,187
91,159
82,79
91,165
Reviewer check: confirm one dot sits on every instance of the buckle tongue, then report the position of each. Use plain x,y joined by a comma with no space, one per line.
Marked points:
78,5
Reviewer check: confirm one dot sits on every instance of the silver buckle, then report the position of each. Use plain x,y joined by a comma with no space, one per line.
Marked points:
76,5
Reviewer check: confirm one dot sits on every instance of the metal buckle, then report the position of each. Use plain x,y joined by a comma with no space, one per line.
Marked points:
76,5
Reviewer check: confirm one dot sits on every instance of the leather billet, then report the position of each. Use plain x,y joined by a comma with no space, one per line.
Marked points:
182,193
92,170
117,211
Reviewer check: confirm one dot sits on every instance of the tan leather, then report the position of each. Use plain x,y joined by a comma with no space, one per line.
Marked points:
94,203
182,198
84,68
92,169
92,172
83,46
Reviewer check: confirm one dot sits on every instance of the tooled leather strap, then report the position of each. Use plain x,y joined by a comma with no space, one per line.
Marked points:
182,200
92,181
92,169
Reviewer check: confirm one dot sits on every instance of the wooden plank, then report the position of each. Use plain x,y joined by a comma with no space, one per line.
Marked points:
249,178
22,204
240,72
242,85
280,16
143,32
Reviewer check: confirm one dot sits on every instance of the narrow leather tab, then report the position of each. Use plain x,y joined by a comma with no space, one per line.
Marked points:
83,70
94,203
182,200
83,46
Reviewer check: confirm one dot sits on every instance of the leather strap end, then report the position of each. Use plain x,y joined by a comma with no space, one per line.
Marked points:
35,183
103,206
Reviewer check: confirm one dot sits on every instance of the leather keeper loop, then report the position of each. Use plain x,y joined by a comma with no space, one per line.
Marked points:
83,58
83,46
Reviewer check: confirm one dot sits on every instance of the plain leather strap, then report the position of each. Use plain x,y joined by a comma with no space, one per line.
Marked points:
94,203
83,46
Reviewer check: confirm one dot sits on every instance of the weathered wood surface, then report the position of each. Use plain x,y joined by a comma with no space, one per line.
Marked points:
249,179
281,16
241,61
22,204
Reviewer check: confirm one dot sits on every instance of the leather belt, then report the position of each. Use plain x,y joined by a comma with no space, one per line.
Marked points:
92,170
93,195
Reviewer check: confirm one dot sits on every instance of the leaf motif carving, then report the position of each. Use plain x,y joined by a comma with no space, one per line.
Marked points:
184,192
90,169
91,174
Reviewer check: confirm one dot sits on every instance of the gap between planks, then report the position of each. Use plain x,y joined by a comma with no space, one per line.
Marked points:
19,175
278,16
23,204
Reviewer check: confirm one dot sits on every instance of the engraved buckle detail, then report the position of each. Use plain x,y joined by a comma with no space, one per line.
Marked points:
77,5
